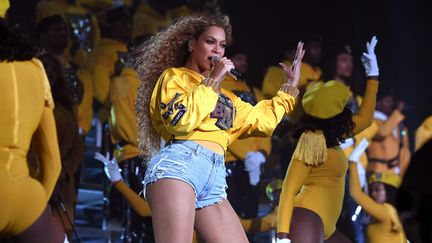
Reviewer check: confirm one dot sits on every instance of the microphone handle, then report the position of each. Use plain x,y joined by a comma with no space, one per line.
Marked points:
232,73
235,74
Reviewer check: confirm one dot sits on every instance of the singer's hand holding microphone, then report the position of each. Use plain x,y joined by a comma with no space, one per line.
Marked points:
221,67
233,73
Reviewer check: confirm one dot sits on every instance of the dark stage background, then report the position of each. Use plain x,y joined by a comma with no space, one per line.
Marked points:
403,29
264,28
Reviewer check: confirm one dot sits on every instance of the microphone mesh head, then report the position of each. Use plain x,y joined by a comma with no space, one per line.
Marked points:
215,59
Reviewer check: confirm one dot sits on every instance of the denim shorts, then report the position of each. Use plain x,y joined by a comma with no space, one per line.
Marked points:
203,169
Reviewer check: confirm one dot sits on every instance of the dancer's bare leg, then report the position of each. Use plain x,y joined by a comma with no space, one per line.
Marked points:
337,237
173,210
219,223
306,227
46,229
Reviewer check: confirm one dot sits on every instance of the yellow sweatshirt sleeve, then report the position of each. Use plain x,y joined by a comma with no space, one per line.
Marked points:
294,180
260,224
260,120
259,94
139,205
386,128
183,106
376,210
365,117
47,150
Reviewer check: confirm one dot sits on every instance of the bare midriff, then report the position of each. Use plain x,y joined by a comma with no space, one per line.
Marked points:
215,147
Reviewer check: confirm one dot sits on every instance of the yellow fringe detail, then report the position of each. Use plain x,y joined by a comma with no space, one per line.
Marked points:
311,149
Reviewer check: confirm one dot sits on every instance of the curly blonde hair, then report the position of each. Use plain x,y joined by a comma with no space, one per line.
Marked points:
166,49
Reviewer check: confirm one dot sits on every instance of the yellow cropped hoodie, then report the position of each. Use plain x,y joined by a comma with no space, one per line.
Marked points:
183,109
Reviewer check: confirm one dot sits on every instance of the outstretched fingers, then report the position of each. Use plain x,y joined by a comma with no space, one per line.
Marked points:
297,64
104,159
287,69
370,46
293,72
299,52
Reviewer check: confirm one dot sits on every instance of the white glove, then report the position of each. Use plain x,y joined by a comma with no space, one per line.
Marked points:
66,239
111,169
361,175
355,158
253,163
348,143
369,59
285,240
254,176
358,151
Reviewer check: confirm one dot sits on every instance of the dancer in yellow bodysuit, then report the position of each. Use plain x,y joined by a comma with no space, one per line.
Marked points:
312,194
386,226
26,118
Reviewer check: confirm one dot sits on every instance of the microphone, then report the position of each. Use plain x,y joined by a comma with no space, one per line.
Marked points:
232,73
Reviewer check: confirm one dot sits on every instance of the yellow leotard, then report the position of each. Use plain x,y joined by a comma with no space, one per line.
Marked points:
26,113
321,189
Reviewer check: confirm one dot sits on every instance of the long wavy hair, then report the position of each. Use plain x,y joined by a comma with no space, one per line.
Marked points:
166,49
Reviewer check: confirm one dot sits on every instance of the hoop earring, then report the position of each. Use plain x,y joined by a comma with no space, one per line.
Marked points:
190,49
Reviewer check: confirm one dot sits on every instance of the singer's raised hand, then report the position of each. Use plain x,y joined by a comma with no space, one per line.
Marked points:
293,72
